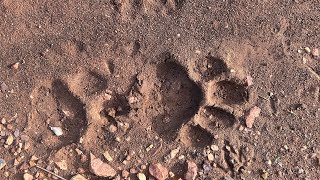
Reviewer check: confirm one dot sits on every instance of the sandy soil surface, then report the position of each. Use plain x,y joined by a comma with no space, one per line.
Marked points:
159,89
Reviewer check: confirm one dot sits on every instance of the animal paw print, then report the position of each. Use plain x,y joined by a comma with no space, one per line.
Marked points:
129,9
72,103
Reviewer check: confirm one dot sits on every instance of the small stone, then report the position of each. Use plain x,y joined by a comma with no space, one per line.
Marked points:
315,52
304,60
182,157
253,113
9,140
62,165
16,133
214,148
206,167
210,157
2,163
171,174
264,174
269,162
34,158
141,176
6,174
125,174
107,156
307,49
158,171
78,177
149,147
27,176
143,167
191,171
15,65
3,121
133,171
249,81
57,131
4,87
113,128
100,168
174,152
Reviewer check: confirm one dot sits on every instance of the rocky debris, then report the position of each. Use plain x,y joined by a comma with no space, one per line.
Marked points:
141,176
27,176
2,163
192,170
78,177
62,165
107,156
158,171
253,113
57,131
99,168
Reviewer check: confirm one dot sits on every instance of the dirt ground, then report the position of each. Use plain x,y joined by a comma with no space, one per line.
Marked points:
140,82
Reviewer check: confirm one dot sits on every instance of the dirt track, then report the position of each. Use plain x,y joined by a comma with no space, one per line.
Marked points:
141,79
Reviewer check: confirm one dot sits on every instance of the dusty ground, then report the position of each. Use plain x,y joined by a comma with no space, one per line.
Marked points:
143,78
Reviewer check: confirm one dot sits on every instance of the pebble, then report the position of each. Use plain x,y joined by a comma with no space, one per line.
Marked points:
171,174
174,152
62,165
143,167
191,171
107,156
264,174
78,177
158,171
57,131
210,157
9,140
206,167
141,176
307,49
253,113
4,87
100,168
2,163
113,128
125,174
214,148
15,65
16,133
27,176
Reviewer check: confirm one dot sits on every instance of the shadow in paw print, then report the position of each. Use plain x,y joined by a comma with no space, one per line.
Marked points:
71,112
219,118
195,136
211,67
227,92
180,98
